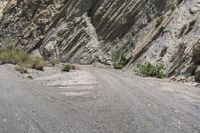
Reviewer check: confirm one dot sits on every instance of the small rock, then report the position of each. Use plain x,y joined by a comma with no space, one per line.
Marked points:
181,78
193,10
173,78
197,85
190,79
30,77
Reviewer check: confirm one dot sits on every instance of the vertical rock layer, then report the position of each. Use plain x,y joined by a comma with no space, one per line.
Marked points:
88,31
3,4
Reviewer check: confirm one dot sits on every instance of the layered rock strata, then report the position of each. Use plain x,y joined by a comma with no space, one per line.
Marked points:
90,31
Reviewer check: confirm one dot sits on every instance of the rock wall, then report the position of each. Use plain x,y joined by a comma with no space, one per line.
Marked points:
3,4
174,45
90,31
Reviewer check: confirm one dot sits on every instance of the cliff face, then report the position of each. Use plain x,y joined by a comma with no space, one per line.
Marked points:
3,4
89,31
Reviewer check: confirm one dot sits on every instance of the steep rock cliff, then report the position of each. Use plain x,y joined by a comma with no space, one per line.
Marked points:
174,45
89,31
3,4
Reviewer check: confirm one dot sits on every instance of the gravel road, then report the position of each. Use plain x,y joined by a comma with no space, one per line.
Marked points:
95,100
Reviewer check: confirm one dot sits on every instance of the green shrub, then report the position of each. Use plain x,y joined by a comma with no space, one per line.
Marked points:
114,57
123,58
7,42
117,66
21,58
13,56
118,59
37,63
34,62
68,67
147,69
196,55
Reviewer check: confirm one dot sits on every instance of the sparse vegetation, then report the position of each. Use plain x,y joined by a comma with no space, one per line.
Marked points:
22,59
8,41
150,70
68,67
114,57
13,56
117,66
119,60
53,62
37,63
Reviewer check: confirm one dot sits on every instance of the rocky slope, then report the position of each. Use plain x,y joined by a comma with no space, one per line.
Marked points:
3,4
90,31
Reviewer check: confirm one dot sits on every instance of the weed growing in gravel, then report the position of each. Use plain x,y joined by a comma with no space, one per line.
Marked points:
37,63
13,56
68,67
119,60
21,58
117,66
150,70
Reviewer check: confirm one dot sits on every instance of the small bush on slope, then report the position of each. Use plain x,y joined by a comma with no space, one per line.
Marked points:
119,60
37,63
13,56
147,69
21,58
68,67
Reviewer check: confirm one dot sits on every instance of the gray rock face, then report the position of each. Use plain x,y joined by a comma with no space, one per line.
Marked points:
197,75
89,31
174,45
3,4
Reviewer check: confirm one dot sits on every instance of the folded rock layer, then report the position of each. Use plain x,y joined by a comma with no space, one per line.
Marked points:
90,31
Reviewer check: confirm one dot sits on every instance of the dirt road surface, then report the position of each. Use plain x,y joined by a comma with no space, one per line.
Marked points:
95,100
